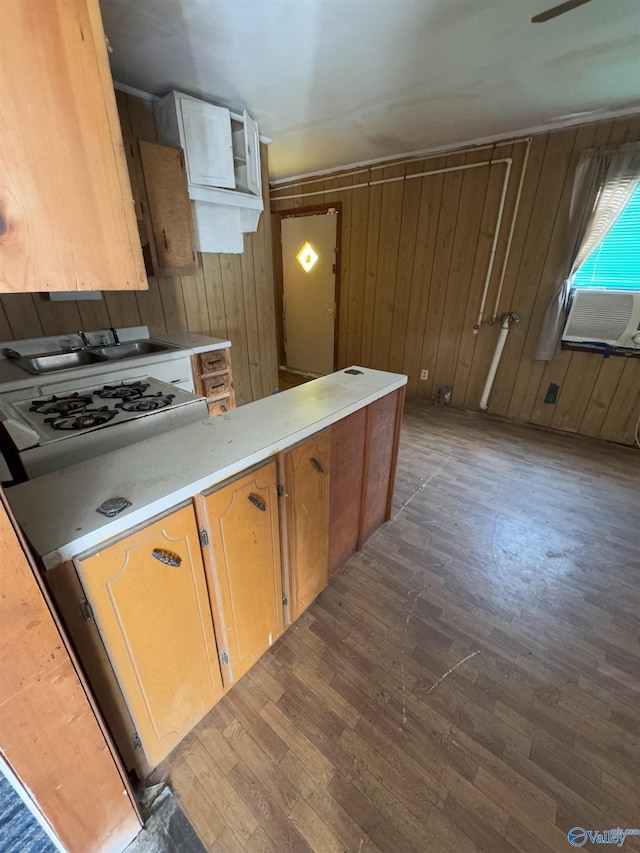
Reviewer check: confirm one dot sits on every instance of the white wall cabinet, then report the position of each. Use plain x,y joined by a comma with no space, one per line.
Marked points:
222,154
207,142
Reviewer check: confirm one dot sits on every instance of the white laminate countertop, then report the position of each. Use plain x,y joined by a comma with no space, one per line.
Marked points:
193,341
58,511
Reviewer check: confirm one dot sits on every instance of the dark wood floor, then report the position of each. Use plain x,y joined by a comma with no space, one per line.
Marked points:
290,378
469,681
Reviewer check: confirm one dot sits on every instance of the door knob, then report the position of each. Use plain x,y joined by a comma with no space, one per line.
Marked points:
329,310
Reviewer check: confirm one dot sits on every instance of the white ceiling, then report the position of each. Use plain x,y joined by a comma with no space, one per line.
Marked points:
334,82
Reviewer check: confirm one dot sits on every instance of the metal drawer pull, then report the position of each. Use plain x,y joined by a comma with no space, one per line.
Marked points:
167,557
317,465
255,500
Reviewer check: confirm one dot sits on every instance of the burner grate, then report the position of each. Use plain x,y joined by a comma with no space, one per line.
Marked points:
84,419
148,403
61,405
123,391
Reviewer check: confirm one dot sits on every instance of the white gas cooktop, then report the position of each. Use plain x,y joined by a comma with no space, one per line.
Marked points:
58,417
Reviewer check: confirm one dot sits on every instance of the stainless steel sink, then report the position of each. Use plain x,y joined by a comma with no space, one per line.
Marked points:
55,361
130,349
52,362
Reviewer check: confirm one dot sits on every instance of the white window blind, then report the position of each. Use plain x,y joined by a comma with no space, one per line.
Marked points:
615,263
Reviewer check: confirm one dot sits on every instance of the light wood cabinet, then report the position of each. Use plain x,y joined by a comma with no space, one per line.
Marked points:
67,592
245,570
149,598
364,450
67,220
49,732
213,379
305,474
348,440
383,432
172,241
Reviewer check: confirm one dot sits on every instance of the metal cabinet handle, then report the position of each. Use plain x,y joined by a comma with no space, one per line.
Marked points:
167,557
317,465
255,500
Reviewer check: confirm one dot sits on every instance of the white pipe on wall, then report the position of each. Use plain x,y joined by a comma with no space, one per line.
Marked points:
444,171
494,245
335,174
507,320
514,217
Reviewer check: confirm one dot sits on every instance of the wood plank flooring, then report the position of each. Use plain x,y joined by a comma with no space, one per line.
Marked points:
468,681
290,378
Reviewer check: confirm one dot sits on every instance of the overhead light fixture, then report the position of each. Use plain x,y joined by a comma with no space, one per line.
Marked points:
307,257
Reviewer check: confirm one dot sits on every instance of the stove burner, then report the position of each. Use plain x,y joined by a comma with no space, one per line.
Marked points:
61,405
82,419
148,403
122,391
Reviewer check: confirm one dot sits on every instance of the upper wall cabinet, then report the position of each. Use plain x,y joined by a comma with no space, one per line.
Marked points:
222,153
67,220
205,132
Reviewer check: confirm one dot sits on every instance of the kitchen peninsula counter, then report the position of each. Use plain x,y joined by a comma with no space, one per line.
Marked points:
58,511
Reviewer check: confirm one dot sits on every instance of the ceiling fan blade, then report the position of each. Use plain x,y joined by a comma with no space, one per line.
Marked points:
558,10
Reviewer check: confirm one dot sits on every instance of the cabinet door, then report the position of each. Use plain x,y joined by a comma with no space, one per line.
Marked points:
173,242
67,220
348,438
207,137
252,154
50,736
247,572
383,428
306,527
149,598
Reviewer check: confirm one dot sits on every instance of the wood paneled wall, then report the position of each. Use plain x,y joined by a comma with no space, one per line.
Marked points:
232,296
414,259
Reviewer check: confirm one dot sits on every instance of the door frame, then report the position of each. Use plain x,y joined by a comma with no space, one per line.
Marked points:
290,213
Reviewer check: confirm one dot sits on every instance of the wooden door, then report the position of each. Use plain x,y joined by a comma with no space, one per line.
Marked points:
348,438
172,238
67,220
383,431
246,568
309,291
49,733
208,144
149,598
306,475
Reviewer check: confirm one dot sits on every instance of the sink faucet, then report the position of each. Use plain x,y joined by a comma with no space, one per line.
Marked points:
83,338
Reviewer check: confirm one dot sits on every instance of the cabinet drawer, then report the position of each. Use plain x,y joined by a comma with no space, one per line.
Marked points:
219,407
216,386
210,362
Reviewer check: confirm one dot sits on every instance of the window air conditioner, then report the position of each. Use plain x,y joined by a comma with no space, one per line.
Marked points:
604,317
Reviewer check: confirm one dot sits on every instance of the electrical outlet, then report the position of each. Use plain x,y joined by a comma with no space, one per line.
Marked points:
552,393
424,374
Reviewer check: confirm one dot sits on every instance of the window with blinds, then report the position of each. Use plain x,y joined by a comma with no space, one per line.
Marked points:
615,263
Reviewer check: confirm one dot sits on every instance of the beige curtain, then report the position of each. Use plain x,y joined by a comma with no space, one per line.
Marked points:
604,182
